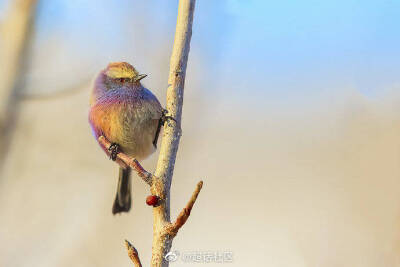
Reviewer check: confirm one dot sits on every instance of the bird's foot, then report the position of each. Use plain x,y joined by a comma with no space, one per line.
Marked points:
165,118
114,150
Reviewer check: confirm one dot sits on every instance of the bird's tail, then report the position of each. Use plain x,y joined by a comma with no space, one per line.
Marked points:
122,201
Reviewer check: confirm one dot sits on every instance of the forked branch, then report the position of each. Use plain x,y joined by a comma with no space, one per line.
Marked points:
173,228
162,239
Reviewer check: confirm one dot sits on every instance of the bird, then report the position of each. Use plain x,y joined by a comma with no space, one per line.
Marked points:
129,116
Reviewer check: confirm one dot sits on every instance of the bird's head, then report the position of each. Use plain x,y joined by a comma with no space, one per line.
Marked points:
122,73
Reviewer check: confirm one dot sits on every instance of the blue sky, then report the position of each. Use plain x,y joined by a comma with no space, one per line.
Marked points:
277,47
300,44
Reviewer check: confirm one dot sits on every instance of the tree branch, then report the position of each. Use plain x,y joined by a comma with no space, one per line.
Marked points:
185,213
133,254
162,240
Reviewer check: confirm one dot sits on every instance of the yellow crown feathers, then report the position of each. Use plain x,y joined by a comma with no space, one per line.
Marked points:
121,70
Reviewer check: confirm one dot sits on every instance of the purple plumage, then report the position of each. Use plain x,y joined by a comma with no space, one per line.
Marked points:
127,114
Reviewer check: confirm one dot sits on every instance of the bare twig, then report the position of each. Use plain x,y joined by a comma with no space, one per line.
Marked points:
184,215
124,160
133,254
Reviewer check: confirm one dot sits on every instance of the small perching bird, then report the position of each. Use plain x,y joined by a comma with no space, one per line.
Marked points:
129,116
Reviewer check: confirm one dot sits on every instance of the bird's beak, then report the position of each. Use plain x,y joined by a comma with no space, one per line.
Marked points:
140,76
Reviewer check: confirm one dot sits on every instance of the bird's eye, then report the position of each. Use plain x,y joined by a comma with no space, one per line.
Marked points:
122,80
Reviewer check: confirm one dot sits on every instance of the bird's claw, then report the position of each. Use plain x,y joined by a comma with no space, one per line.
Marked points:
114,150
165,118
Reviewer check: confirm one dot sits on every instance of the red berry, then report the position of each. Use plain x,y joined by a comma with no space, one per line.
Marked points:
152,200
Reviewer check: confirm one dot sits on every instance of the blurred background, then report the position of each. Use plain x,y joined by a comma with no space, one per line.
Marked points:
291,118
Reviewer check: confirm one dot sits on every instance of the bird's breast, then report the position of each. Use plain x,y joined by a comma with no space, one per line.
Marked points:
131,124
